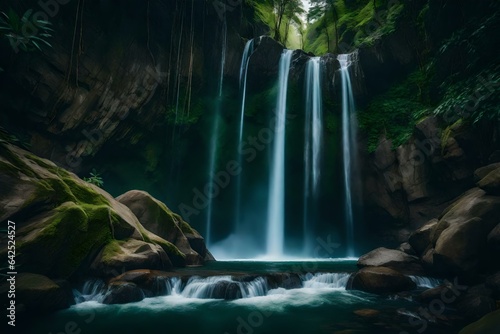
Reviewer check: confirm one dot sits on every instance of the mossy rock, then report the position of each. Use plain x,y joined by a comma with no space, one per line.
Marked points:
120,256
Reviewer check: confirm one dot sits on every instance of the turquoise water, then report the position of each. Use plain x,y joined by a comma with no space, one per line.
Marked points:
315,308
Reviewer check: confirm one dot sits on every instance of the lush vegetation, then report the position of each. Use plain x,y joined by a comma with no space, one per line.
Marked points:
24,32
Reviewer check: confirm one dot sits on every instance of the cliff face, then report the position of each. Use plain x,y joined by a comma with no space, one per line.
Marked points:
117,79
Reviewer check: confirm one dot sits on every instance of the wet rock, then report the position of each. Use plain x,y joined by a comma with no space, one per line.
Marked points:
481,173
421,238
156,217
491,183
120,292
380,280
391,258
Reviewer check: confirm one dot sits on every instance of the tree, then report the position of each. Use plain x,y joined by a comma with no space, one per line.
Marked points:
284,14
320,9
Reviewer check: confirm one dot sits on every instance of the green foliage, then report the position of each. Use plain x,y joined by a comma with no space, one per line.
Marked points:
283,17
359,24
395,113
25,33
474,99
95,178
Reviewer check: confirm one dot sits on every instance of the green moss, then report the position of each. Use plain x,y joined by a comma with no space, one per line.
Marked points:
14,159
186,228
110,251
84,193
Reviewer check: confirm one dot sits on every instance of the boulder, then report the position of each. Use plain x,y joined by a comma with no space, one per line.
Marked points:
475,306
70,219
121,256
120,292
156,217
39,294
391,258
494,239
491,183
380,280
414,171
405,247
489,324
421,238
460,237
481,173
151,282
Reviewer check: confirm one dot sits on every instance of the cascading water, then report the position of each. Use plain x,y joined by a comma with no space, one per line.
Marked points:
276,205
217,287
313,142
348,144
245,60
215,132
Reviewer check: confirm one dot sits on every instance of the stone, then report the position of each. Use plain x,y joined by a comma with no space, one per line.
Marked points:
120,292
405,247
380,280
70,219
491,183
39,294
156,217
489,324
475,306
460,237
414,171
481,173
494,239
391,258
121,256
421,238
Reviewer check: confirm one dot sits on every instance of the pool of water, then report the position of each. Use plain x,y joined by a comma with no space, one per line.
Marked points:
322,305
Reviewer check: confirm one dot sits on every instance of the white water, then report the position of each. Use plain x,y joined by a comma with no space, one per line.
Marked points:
348,144
276,204
245,60
215,133
426,282
313,142
214,287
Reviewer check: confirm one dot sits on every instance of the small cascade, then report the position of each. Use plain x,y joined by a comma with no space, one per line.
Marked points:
224,287
245,60
313,143
326,280
276,205
214,287
426,282
92,290
348,144
215,133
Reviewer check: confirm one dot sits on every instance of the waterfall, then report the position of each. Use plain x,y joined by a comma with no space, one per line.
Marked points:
426,282
348,144
218,287
215,132
328,280
313,141
245,60
276,205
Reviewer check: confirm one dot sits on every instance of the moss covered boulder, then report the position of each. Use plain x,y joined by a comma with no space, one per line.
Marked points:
66,226
159,219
